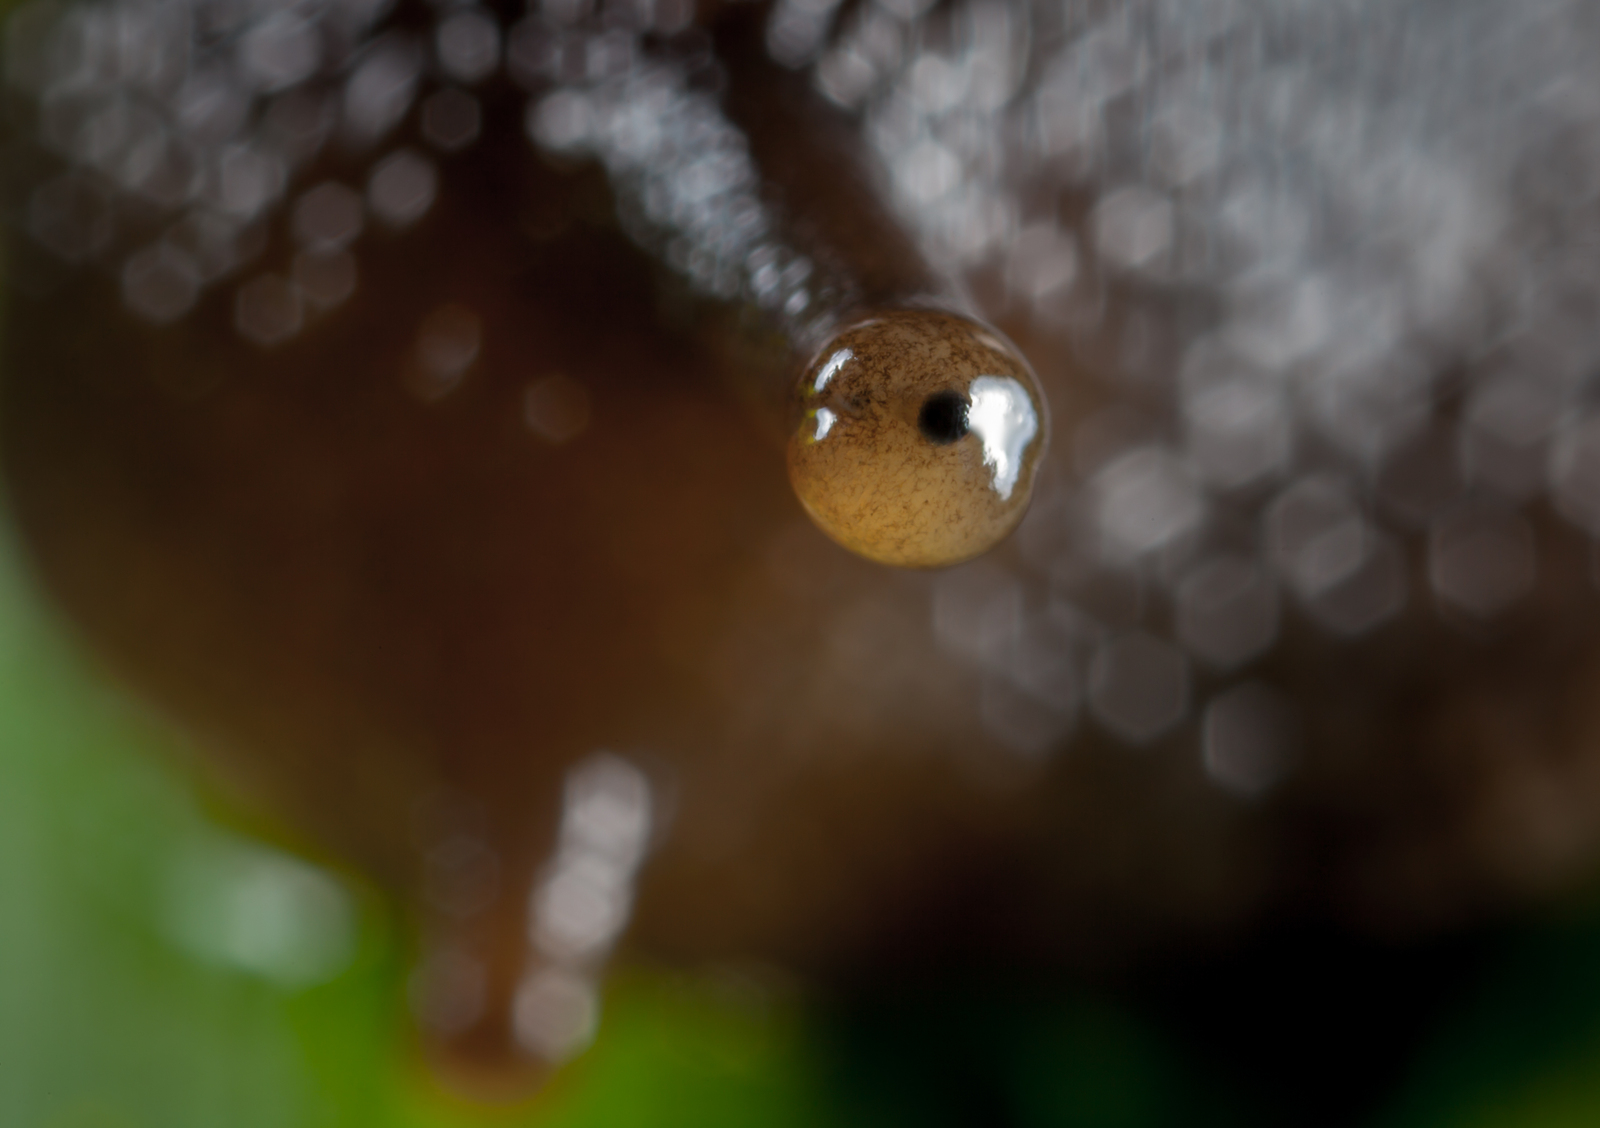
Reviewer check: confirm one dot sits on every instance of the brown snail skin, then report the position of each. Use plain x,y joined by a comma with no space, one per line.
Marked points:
919,437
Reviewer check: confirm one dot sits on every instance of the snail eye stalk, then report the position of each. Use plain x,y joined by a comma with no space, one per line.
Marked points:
918,437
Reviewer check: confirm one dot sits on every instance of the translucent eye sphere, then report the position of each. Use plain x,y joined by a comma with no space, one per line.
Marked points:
918,437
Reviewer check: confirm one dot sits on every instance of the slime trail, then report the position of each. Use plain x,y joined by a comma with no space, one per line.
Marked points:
398,395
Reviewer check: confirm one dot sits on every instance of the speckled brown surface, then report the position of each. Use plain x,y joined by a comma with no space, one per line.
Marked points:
873,481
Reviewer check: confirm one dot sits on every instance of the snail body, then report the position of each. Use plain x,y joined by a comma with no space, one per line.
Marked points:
390,396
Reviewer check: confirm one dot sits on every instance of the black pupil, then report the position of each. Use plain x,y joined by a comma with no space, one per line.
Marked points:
943,418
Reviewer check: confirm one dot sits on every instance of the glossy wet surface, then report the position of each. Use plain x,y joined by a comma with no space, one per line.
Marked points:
877,458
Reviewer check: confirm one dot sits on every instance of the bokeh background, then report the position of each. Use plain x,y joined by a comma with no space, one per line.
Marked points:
163,965
170,961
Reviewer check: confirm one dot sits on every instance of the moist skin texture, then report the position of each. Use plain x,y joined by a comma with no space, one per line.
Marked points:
420,611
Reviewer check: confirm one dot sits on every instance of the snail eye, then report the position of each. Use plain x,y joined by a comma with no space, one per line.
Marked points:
943,418
917,438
